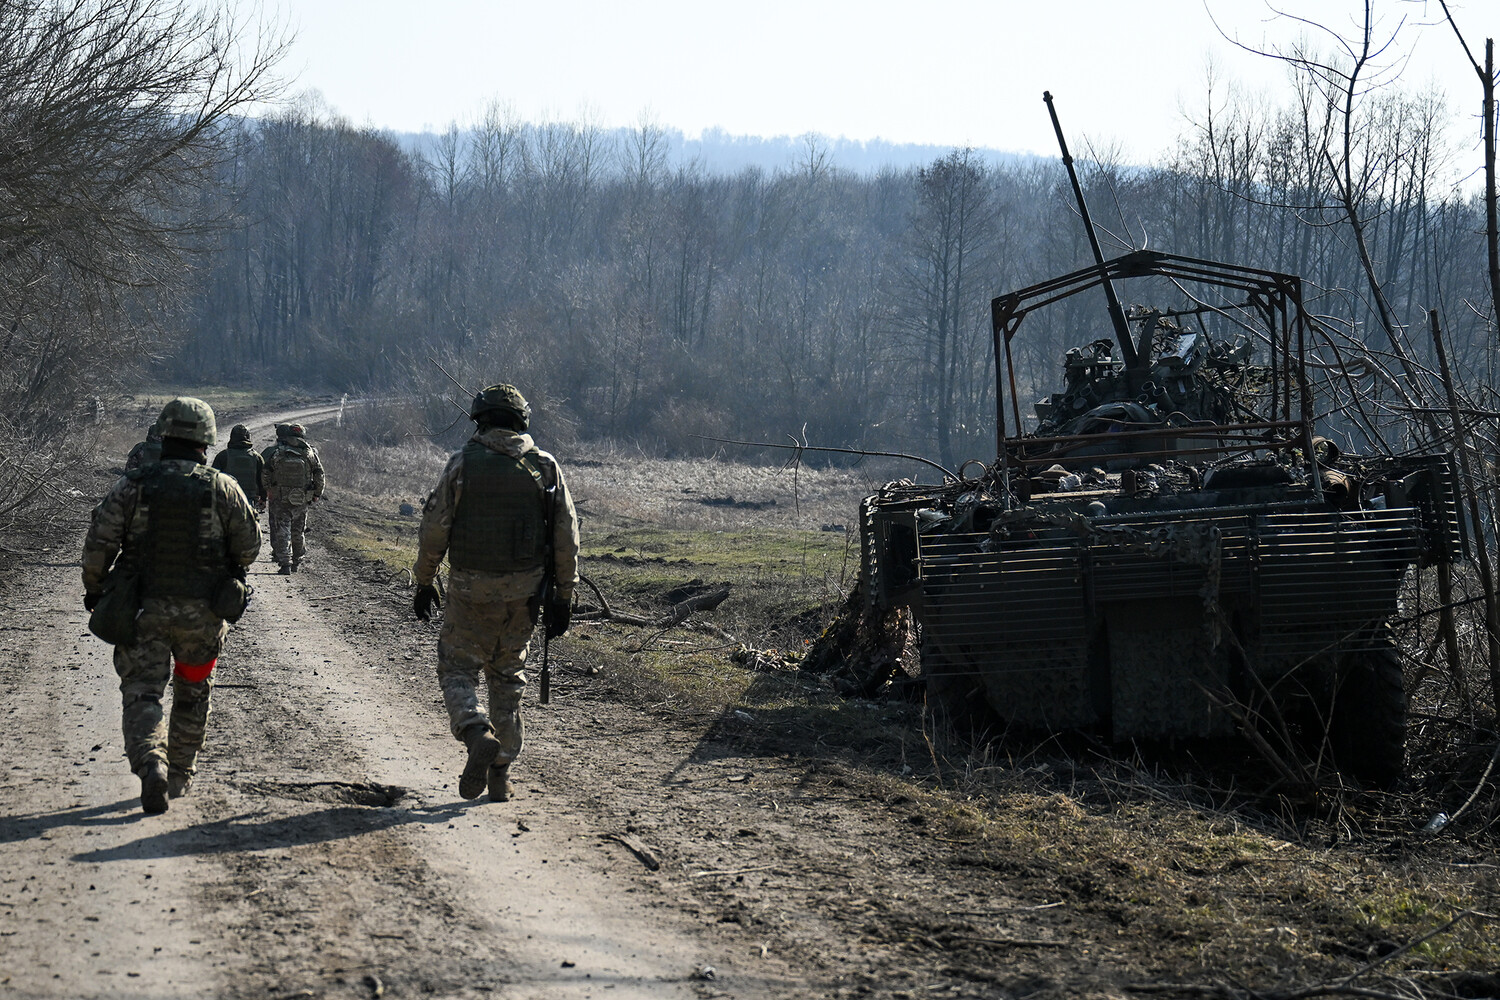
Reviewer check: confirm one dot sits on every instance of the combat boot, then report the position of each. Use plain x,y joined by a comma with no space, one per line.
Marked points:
500,787
483,749
296,565
285,570
178,783
154,787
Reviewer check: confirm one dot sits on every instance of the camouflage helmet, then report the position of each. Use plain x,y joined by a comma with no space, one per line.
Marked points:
240,434
501,399
189,419
296,430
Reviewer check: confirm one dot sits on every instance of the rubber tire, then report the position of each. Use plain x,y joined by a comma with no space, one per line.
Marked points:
958,699
1367,728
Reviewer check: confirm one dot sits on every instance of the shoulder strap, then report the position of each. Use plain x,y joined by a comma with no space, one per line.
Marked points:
542,467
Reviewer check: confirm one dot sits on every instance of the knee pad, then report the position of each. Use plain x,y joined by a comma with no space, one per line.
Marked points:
194,673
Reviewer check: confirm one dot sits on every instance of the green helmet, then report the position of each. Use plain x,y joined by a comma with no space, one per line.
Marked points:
501,399
189,419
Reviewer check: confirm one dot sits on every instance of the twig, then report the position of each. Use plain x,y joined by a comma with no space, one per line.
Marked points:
1408,946
1002,910
730,871
645,854
1001,942
1478,787
603,603
840,451
1231,993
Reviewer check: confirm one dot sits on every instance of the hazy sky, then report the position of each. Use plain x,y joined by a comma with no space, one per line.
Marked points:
943,72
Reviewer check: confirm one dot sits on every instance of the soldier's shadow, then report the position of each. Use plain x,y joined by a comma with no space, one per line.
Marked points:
254,831
17,828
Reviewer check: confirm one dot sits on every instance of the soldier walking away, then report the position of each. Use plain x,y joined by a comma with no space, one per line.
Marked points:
145,452
503,515
244,463
294,482
185,535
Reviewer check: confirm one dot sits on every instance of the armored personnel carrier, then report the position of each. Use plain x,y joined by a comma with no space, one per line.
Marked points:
1167,547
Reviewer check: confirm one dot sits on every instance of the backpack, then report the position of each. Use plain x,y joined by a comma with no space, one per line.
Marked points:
292,471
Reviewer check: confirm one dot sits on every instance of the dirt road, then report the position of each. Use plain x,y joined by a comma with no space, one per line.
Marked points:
323,850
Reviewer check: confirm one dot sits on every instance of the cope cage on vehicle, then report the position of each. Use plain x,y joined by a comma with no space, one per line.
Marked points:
1171,544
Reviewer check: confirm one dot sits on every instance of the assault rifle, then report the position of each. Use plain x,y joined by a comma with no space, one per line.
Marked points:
549,586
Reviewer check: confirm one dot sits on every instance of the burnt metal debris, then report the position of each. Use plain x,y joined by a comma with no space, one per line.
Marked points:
1169,549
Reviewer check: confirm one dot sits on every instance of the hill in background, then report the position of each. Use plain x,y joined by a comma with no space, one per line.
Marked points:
719,152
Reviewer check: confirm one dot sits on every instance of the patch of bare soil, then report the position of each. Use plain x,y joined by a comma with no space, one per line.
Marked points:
655,847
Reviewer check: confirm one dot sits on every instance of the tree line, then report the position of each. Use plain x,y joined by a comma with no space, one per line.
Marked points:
639,300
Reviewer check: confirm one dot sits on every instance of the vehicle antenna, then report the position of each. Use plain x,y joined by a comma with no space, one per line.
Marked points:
1116,314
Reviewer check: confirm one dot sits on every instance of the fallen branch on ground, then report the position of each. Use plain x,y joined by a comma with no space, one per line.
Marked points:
645,854
677,616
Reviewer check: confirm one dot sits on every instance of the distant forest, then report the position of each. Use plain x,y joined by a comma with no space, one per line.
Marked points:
639,301
632,290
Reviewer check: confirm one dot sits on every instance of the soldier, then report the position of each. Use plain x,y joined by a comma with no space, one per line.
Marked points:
189,534
503,515
245,464
146,452
294,481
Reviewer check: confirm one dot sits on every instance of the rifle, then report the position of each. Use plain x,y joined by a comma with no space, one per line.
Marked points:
549,584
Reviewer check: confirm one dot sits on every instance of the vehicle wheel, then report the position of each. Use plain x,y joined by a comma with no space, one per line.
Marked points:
1367,728
956,695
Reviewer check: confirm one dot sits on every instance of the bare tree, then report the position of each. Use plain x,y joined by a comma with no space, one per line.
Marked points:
1486,74
112,110
111,107
952,229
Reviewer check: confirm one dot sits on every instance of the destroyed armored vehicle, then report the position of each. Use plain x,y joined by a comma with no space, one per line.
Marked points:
1167,548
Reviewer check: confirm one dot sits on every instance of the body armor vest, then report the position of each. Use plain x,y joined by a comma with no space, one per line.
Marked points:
240,463
180,556
499,525
292,470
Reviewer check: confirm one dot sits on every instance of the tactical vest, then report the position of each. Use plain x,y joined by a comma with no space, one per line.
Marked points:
500,523
179,557
292,470
241,463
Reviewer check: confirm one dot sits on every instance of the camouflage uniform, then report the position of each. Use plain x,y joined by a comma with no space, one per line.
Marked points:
489,618
289,502
179,628
244,463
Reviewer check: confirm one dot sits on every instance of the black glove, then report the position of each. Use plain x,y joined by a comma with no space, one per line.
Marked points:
423,600
91,601
559,615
